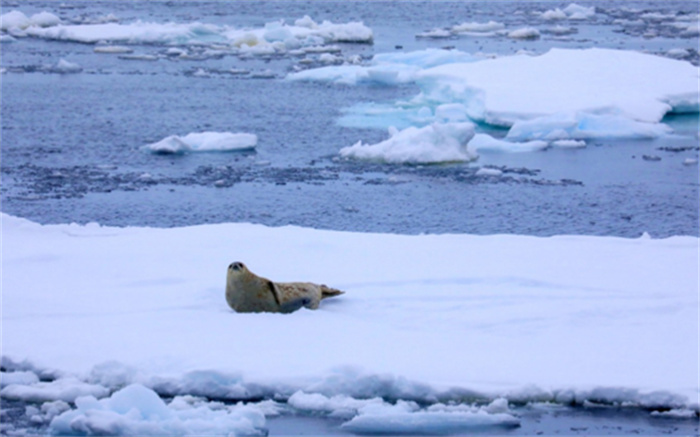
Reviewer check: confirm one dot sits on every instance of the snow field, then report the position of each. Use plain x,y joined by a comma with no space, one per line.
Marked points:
433,319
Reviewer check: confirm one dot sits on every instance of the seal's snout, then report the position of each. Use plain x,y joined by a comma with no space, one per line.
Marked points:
235,266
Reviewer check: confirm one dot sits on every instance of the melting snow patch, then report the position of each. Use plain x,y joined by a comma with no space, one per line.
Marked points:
204,142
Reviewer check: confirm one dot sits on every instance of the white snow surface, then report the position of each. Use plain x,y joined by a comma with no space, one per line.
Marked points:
427,318
204,142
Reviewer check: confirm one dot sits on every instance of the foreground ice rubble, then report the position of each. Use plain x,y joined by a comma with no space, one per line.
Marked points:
432,333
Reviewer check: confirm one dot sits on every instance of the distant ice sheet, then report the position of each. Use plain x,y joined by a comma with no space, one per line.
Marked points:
204,142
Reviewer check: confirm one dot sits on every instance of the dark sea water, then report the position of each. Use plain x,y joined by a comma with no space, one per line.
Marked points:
71,143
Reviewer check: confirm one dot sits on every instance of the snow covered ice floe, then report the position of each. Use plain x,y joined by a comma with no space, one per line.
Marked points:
587,319
204,142
560,95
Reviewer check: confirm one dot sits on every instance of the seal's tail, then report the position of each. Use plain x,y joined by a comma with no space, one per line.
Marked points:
329,292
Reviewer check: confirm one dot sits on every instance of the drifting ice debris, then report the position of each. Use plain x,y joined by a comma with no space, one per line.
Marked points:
204,142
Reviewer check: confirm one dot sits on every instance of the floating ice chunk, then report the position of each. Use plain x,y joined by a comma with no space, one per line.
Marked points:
44,19
554,14
64,389
403,418
577,12
113,49
139,57
475,27
560,30
346,32
690,161
572,144
339,406
676,413
524,33
678,53
7,38
435,33
66,67
18,378
204,142
307,22
485,142
137,410
14,20
430,144
624,84
487,171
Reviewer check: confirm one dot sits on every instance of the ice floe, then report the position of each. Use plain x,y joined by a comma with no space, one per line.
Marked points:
274,37
437,142
562,94
66,67
571,12
204,141
145,306
14,21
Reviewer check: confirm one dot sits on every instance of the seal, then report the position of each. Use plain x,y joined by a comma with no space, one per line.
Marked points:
247,292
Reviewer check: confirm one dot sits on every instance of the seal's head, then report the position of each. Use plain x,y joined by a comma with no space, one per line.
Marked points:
237,271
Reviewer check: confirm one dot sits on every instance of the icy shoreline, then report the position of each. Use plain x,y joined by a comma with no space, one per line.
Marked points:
427,320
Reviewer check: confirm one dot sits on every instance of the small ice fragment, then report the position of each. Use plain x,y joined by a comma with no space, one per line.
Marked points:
487,171
524,33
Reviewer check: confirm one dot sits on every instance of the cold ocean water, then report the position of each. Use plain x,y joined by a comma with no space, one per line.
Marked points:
71,143
73,136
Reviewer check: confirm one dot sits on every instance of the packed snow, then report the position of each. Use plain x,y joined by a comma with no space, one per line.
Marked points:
204,142
435,334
